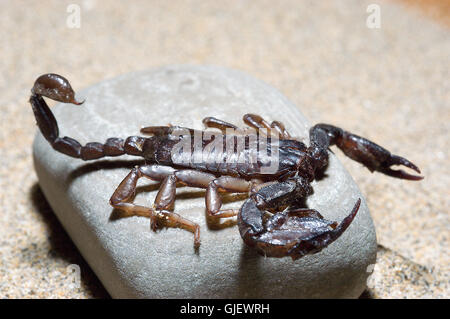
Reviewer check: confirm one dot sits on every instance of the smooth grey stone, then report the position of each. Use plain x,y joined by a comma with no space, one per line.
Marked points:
133,261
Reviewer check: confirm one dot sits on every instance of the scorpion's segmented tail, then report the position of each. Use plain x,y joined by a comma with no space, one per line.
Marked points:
58,88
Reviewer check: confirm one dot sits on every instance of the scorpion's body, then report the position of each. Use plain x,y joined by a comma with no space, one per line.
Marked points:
256,152
235,160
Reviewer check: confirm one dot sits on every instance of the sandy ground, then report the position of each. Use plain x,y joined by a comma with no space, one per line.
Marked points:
390,84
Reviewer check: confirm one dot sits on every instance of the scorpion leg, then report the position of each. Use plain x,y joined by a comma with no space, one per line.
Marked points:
157,130
166,194
225,127
258,122
166,197
165,130
126,191
227,184
371,155
159,216
192,178
216,123
280,128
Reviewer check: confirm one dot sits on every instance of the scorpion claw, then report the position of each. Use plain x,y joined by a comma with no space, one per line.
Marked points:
398,160
290,234
401,174
403,161
320,238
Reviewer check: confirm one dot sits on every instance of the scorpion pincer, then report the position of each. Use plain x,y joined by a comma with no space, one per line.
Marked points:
272,219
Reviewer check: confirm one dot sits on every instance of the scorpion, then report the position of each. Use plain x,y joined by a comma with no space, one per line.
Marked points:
272,219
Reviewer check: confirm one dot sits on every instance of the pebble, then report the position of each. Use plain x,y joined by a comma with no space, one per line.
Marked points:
134,262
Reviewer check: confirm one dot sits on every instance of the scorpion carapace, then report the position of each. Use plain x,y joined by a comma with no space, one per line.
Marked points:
271,220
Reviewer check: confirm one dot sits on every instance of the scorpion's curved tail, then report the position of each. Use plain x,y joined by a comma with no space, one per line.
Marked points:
58,88
294,233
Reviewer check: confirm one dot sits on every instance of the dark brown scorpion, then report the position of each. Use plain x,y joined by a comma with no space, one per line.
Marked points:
271,219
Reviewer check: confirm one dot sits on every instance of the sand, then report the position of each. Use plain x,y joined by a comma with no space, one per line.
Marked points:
389,84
